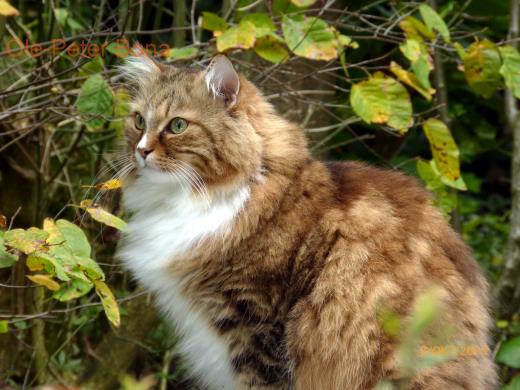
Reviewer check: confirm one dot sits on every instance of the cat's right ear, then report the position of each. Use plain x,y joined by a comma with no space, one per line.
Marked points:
140,65
222,80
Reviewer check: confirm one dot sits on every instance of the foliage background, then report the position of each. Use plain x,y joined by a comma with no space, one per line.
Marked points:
328,65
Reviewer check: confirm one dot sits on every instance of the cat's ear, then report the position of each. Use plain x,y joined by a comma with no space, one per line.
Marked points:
139,64
222,80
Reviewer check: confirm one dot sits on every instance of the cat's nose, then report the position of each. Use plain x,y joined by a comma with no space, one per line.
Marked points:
144,152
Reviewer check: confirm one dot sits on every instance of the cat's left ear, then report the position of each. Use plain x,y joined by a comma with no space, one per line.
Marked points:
222,80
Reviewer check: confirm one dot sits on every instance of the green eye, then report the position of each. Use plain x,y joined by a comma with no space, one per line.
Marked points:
178,125
139,122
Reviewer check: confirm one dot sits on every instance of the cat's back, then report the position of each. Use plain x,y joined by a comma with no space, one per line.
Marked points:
394,210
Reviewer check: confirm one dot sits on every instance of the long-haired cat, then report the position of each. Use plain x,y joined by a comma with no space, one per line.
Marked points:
273,266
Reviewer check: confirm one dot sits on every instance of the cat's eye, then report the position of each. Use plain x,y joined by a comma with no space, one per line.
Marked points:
139,122
178,125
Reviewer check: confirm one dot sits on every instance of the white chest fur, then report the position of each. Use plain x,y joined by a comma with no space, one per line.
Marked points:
165,224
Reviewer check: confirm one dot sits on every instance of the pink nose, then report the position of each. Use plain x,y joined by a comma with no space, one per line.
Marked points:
144,152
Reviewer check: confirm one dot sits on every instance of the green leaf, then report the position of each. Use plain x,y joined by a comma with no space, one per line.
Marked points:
430,176
95,65
510,68
75,238
6,259
120,112
444,149
482,66
303,3
109,302
382,100
26,241
118,48
310,37
44,280
51,264
514,384
213,22
103,216
95,101
411,80
73,290
237,37
417,52
271,48
509,353
4,326
420,27
262,22
434,21
281,7
91,268
183,53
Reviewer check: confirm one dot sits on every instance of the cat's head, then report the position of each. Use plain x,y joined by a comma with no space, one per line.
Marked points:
185,123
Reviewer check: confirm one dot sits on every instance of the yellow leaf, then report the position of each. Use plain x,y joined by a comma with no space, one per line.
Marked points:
444,149
303,3
109,302
7,9
85,203
242,36
382,100
103,216
411,80
109,185
44,280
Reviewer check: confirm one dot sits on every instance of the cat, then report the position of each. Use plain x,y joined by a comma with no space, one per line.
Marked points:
272,266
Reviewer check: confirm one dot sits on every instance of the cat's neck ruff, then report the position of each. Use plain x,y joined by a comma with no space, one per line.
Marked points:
168,219
167,223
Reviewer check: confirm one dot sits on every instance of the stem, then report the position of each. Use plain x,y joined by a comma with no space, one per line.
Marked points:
179,20
41,357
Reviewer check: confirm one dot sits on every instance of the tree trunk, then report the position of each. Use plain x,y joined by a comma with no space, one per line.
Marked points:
508,288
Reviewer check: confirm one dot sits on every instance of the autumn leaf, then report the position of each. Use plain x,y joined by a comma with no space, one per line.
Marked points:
382,100
44,280
7,9
444,149
310,37
26,241
112,184
482,65
237,37
411,80
101,215
109,302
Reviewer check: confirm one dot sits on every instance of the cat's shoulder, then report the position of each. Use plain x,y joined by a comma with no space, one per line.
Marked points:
354,180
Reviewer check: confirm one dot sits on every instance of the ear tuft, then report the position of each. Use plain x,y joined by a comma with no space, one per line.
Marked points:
139,64
222,80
